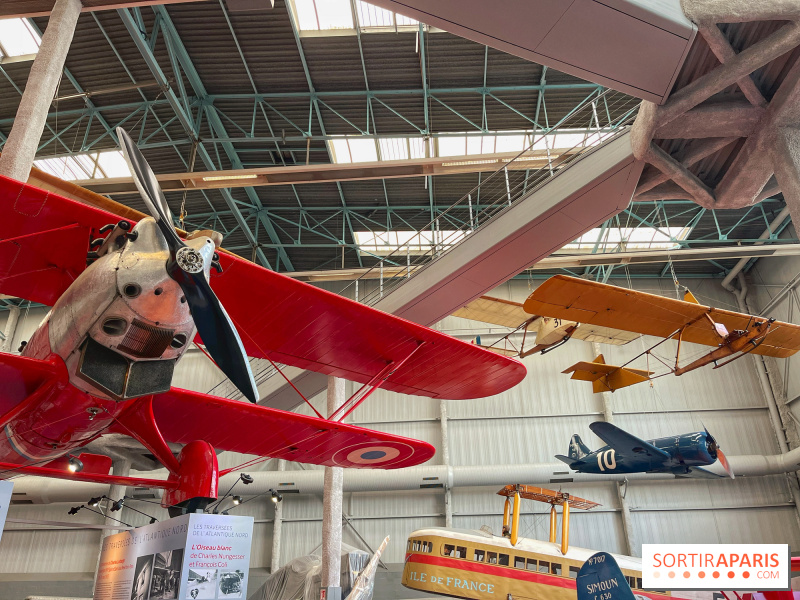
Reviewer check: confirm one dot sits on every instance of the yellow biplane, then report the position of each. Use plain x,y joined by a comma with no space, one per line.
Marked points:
732,334
550,332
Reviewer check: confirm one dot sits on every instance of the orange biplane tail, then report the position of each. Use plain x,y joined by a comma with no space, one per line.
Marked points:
606,378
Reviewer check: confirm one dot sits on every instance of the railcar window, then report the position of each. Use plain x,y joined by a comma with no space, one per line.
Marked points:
638,583
461,552
531,564
555,568
573,572
631,580
416,545
448,550
479,555
409,545
492,560
504,559
427,547
544,566
519,562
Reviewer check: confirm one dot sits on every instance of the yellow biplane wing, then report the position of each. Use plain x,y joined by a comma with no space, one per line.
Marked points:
604,335
648,314
494,311
507,313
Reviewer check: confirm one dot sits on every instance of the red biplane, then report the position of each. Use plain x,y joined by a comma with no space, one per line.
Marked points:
102,359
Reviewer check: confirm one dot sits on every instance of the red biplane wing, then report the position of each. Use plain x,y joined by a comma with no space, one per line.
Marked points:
289,321
183,416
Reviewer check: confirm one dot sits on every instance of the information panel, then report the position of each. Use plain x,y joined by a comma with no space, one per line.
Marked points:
192,557
6,487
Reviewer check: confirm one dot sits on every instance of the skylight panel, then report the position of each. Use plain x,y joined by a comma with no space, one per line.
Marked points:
375,17
382,243
394,148
113,164
622,239
370,15
18,38
350,150
452,146
97,165
324,14
363,150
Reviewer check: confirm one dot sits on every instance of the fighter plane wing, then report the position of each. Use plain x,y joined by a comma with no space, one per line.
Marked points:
626,444
286,320
649,314
183,416
695,473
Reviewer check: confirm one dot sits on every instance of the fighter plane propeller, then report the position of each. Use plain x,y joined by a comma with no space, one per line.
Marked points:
682,455
191,268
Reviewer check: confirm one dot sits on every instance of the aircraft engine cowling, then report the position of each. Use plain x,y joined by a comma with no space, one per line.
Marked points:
123,325
696,449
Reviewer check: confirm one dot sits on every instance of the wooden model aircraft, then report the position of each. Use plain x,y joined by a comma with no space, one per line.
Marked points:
550,332
102,359
731,334
683,455
606,378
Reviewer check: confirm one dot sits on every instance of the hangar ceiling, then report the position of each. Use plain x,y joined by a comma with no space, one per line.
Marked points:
204,88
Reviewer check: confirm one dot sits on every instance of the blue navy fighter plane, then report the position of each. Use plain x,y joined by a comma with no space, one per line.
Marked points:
682,455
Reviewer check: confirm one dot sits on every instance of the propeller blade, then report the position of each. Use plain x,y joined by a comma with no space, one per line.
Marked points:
723,460
217,332
149,189
189,267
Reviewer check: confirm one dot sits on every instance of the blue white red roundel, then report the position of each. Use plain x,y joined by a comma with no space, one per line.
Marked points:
379,454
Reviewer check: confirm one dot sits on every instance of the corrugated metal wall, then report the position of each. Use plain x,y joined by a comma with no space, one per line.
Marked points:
528,424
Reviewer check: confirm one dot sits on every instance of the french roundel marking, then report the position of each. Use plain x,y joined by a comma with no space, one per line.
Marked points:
373,453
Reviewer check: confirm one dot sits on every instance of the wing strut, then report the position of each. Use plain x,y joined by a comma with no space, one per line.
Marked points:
373,384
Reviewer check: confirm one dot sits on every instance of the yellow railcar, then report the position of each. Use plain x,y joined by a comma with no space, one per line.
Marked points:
480,566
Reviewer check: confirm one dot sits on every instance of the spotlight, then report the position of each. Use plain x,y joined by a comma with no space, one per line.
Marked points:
246,479
237,500
117,505
75,464
276,497
95,501
74,510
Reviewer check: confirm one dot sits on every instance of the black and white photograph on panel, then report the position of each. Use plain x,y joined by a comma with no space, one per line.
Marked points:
142,577
231,584
166,575
202,584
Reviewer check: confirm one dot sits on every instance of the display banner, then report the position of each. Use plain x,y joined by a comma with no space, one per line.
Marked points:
716,566
192,557
6,487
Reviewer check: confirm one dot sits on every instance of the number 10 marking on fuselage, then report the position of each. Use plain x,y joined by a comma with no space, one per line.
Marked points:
609,458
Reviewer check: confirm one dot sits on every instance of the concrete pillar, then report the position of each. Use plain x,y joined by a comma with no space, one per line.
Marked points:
448,497
277,527
40,89
786,160
608,417
120,468
11,329
627,522
332,508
